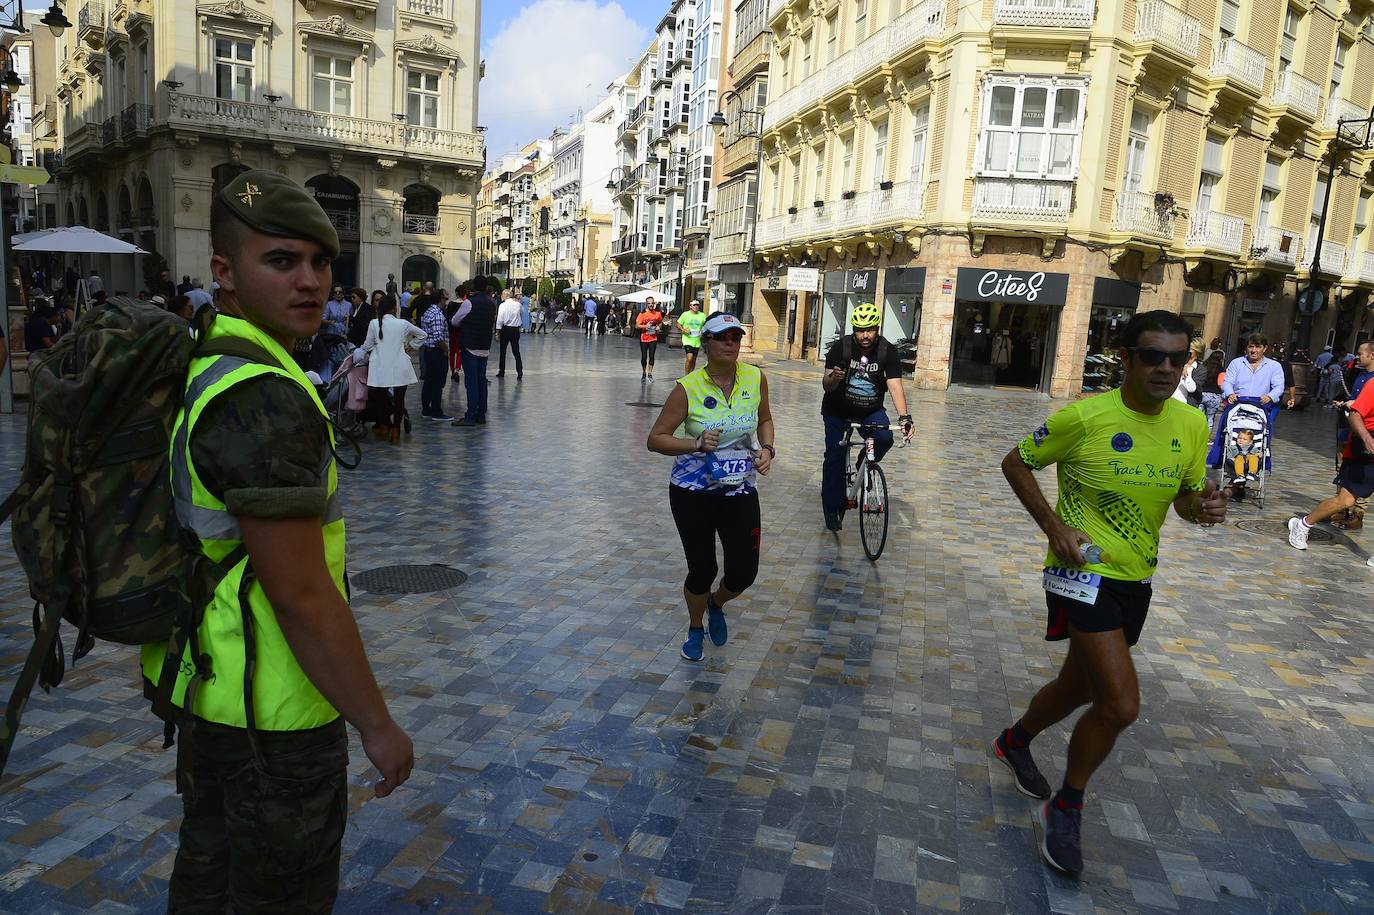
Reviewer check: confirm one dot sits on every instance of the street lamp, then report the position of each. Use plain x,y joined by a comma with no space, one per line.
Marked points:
581,223
1312,301
56,22
718,124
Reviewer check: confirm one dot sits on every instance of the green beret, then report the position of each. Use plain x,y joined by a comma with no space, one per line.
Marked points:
275,205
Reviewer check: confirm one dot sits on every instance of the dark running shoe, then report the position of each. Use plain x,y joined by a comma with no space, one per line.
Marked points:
1024,772
834,521
1060,844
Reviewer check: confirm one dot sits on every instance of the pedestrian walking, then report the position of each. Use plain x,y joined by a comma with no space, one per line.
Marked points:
434,360
475,320
588,316
649,322
94,284
526,315
362,317
723,410
1208,389
455,357
263,767
1122,459
388,345
508,326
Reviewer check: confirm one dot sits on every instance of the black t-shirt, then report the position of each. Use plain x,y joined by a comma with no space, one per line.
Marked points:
865,383
35,330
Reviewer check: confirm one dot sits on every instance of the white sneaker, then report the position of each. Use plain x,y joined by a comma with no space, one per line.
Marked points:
1297,534
1369,561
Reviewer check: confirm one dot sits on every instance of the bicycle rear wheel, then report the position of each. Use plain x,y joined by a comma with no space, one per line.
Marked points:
873,511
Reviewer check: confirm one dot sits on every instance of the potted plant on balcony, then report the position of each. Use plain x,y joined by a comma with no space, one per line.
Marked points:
1166,205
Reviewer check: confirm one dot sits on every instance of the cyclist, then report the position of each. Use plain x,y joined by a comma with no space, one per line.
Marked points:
1123,458
860,370
723,409
691,322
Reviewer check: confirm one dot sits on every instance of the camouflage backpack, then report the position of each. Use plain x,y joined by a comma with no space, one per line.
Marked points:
94,523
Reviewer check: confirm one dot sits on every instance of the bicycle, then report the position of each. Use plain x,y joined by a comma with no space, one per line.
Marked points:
866,490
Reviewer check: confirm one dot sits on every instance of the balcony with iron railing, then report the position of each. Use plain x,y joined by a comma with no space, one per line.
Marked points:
1213,231
1033,200
1240,65
135,119
921,23
1333,258
90,24
1143,214
1345,110
630,243
419,224
1168,28
1058,14
1298,94
250,120
1275,247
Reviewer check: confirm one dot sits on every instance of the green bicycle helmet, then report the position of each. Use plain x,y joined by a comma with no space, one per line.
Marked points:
866,315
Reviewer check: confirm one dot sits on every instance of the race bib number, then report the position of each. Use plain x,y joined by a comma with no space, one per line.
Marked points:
732,467
1075,584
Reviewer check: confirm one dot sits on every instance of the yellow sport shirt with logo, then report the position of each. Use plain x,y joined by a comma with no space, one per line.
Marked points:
1119,471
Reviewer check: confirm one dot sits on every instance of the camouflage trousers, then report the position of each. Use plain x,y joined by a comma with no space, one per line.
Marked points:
261,839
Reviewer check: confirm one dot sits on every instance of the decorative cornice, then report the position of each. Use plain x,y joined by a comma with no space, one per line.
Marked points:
427,46
335,27
234,11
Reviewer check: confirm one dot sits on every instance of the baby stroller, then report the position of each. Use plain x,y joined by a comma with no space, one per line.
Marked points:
1252,422
345,397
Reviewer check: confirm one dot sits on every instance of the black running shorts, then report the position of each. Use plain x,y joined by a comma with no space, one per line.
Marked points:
1356,477
1120,605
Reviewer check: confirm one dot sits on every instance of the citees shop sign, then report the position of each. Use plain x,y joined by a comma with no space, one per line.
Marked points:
1021,286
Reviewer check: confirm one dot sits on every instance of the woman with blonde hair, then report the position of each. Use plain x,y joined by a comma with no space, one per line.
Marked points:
1186,384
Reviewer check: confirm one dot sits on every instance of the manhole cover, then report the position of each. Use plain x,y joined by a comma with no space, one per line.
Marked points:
641,403
1280,529
408,579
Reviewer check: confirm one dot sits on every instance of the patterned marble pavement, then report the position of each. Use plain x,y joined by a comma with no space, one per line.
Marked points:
832,758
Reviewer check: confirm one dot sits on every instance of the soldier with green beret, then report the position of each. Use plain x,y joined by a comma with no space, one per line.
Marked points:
263,752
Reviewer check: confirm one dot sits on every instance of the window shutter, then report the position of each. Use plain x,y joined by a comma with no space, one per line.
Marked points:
1230,16
1211,156
1271,173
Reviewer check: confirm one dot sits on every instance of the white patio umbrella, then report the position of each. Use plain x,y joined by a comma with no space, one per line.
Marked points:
640,296
75,240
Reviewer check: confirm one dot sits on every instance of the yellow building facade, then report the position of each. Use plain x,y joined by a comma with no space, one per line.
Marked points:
1011,179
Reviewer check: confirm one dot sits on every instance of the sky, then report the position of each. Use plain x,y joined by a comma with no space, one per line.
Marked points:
547,58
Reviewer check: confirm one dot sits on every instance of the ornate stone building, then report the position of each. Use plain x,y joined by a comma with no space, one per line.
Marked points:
371,105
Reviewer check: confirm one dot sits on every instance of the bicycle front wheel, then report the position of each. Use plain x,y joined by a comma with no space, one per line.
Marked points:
873,511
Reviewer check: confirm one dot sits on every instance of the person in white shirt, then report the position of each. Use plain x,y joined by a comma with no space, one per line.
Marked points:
95,284
1186,384
389,371
509,321
198,295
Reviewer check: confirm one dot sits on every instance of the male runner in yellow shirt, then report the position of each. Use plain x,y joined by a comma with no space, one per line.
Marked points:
1123,458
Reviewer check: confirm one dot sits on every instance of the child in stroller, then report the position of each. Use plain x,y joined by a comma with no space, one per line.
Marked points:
1246,448
1245,455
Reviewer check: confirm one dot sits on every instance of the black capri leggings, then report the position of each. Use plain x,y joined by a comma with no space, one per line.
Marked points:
646,352
701,517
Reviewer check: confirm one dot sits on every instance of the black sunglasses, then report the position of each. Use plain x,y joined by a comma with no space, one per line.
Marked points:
1151,356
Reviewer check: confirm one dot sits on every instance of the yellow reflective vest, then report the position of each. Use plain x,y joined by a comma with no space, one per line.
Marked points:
284,699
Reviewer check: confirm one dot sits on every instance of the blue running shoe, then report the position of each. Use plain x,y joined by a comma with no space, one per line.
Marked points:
715,622
695,647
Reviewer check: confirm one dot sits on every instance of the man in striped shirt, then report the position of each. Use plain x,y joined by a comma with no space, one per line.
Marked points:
434,361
